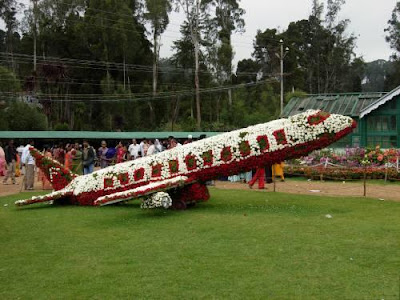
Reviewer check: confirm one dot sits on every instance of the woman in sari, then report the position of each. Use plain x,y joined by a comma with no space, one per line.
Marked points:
41,176
76,166
18,167
121,153
277,170
68,157
2,162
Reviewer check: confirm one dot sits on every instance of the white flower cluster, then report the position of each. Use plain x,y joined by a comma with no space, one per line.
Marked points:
139,191
296,129
156,200
42,198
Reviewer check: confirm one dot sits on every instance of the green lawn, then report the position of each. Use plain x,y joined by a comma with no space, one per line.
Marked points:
241,244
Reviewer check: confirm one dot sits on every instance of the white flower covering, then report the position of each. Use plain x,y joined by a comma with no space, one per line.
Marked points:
296,128
156,200
143,190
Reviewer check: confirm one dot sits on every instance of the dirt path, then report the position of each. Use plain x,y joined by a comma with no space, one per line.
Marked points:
10,189
378,191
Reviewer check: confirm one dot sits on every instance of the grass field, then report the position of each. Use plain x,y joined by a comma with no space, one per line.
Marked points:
240,245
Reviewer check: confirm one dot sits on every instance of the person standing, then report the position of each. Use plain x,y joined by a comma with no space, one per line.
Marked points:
158,145
152,148
29,162
88,156
11,160
59,153
189,140
76,166
144,146
68,157
134,149
121,153
102,154
260,176
3,163
46,185
277,170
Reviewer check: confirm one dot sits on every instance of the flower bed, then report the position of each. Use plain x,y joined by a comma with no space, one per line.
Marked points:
340,173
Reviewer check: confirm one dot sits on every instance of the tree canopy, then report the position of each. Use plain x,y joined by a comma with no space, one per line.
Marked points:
98,64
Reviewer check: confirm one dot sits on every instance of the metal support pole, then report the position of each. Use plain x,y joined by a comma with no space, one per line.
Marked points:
34,33
282,56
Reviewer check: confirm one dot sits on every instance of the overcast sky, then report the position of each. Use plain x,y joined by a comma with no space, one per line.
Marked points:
368,21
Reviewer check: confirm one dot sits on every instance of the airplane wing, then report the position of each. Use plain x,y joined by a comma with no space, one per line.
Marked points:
147,189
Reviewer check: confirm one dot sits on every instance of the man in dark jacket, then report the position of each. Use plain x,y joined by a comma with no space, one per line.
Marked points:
11,159
88,156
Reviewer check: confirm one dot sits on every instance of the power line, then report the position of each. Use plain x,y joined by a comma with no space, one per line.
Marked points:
146,98
101,65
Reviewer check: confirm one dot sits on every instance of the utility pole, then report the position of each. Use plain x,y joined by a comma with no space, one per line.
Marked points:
34,33
282,56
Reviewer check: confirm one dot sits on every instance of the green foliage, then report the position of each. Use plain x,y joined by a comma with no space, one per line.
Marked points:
295,94
393,38
22,116
8,81
115,58
252,245
61,127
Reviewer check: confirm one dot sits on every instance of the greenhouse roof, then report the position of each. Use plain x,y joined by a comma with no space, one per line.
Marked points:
344,104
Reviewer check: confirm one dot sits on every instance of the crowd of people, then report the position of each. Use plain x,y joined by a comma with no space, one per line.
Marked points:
84,158
78,158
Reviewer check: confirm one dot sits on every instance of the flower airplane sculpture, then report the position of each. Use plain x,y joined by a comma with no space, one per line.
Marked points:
183,171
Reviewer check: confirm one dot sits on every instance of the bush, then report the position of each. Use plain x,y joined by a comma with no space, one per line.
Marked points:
21,116
61,127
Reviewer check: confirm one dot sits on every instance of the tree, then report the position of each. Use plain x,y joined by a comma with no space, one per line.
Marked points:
157,15
8,12
194,13
393,38
228,19
29,118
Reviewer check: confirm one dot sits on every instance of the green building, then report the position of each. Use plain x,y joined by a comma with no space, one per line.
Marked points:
377,115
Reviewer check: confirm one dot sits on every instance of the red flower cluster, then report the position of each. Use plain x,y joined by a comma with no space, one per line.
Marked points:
191,163
207,158
280,137
156,170
263,143
55,172
139,174
244,148
318,118
226,154
123,178
173,166
108,183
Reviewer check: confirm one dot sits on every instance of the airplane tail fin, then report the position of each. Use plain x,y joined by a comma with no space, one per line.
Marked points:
55,172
